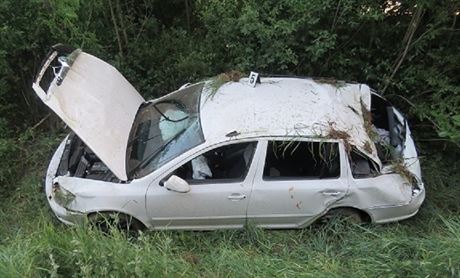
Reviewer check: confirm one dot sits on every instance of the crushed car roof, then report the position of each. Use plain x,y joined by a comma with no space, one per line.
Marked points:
290,107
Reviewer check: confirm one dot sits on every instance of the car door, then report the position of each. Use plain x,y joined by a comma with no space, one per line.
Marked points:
219,191
296,181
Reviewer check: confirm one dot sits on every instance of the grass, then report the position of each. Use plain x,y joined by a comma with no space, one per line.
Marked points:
221,79
33,244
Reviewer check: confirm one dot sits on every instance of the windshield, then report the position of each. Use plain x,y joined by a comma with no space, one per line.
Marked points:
163,130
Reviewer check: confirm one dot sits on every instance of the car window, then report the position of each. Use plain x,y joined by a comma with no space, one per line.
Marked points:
361,165
163,130
397,125
297,159
229,163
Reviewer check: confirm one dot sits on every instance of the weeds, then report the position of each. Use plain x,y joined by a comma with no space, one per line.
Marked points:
400,168
334,133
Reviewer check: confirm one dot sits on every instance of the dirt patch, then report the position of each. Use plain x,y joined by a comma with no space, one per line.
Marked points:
190,258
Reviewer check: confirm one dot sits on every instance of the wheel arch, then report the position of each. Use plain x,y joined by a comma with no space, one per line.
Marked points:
95,213
365,216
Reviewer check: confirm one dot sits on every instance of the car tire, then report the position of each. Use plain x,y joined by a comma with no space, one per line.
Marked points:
105,221
343,214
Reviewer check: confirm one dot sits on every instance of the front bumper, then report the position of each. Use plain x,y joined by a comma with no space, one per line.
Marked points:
385,214
64,215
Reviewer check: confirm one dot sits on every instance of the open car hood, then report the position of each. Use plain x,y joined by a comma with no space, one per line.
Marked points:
93,99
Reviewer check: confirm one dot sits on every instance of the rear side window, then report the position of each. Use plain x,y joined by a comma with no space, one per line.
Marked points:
296,159
362,166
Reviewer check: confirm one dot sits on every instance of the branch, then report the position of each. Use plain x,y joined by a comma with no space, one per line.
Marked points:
122,23
120,48
408,40
41,121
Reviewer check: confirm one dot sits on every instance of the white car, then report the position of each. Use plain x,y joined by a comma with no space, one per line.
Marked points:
279,153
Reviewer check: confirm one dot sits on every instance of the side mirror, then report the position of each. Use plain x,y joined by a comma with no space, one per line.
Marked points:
176,184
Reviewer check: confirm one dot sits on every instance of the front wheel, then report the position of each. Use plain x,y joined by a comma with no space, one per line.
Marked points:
105,221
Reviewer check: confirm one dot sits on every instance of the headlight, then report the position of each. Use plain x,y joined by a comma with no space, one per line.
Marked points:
62,196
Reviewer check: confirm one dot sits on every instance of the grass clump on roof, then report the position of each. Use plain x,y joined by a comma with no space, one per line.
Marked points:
221,79
331,81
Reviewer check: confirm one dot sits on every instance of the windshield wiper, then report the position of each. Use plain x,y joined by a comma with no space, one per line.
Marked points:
151,156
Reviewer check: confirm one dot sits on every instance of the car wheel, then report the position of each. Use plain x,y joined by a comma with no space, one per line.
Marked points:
105,221
343,214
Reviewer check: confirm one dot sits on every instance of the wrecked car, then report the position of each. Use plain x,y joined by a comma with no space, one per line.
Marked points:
278,153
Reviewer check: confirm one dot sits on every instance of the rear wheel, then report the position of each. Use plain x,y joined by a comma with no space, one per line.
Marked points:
343,214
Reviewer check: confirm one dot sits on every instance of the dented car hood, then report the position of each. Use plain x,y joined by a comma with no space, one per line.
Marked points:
94,100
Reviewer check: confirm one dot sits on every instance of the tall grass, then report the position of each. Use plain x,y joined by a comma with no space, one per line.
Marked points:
33,244
332,250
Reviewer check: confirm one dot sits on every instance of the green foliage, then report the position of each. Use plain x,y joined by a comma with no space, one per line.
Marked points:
160,45
30,150
8,153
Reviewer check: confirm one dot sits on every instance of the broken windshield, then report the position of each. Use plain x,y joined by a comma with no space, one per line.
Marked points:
164,130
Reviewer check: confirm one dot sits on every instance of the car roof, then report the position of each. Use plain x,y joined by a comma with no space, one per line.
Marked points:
289,107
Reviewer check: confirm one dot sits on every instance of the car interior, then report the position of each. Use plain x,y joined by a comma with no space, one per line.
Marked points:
296,159
229,162
391,132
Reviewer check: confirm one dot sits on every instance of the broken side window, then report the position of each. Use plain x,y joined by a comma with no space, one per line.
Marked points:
390,129
397,131
361,165
228,163
297,159
379,112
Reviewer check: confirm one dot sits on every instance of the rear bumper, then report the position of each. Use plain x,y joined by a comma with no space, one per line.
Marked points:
385,214
63,214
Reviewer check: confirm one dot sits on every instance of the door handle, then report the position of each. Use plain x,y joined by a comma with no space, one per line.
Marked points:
236,197
331,193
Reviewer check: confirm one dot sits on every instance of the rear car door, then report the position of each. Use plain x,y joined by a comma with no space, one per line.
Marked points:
220,179
296,182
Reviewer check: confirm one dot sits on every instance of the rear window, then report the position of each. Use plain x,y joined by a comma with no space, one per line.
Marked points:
305,160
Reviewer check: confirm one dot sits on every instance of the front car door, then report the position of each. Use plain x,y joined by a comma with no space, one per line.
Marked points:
296,181
220,179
